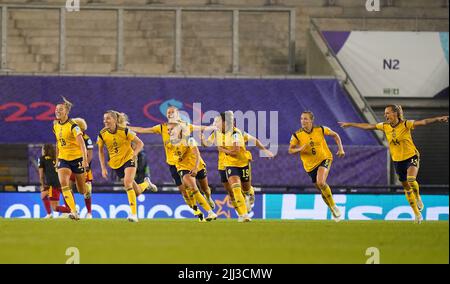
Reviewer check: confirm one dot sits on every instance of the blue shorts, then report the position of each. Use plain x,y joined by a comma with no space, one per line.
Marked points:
76,166
244,173
223,176
313,174
401,167
120,172
200,174
174,173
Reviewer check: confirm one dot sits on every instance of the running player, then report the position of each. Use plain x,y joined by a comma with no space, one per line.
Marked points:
172,115
217,138
118,139
71,154
404,153
89,177
190,165
237,164
48,177
309,141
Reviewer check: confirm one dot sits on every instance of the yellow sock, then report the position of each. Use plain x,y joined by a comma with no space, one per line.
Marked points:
200,199
88,193
241,208
144,185
415,186
132,200
326,192
207,192
188,200
251,191
234,203
325,200
411,197
68,196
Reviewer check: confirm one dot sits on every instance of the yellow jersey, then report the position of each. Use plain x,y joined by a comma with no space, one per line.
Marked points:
118,145
401,145
185,154
66,137
217,138
161,129
316,150
243,157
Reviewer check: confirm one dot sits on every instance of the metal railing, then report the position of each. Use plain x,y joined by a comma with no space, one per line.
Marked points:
415,27
178,10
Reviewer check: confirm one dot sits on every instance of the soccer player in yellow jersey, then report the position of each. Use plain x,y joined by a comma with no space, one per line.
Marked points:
403,151
172,115
237,164
217,138
71,154
309,141
118,140
189,164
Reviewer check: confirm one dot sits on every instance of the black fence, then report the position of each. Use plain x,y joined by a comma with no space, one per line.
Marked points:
305,189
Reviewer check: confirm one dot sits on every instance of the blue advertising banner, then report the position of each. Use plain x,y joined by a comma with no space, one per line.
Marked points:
27,104
115,205
353,207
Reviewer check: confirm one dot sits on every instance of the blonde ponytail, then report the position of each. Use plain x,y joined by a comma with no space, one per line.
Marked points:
120,118
81,123
400,112
67,104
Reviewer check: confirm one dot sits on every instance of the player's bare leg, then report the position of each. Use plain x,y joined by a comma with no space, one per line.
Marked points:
322,175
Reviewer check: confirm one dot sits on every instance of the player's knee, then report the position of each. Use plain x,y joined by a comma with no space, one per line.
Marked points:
321,184
128,182
235,186
411,179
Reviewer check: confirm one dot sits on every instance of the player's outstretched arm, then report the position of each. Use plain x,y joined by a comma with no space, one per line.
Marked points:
427,121
258,144
365,126
143,130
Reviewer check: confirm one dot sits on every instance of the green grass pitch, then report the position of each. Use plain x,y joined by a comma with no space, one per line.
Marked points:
222,241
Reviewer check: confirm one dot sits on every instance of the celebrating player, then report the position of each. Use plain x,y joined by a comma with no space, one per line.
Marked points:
309,141
217,138
237,165
404,153
48,177
172,115
71,154
118,140
190,165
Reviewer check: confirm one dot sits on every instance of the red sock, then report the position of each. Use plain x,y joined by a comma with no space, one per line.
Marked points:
63,209
88,203
47,205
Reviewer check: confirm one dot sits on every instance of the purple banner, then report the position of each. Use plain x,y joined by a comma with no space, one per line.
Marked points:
362,166
27,103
